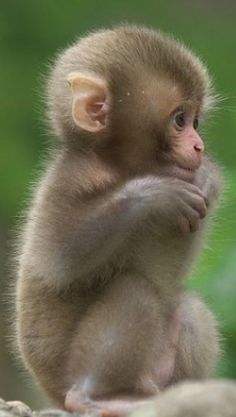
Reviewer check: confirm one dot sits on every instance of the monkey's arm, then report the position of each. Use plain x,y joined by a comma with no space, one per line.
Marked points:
66,243
104,227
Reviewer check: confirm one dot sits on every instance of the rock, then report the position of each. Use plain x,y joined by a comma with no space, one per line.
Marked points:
19,408
14,409
53,413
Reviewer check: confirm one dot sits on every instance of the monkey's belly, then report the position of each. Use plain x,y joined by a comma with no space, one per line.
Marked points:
165,261
119,344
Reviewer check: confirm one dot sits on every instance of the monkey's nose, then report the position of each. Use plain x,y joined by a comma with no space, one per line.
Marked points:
197,142
198,148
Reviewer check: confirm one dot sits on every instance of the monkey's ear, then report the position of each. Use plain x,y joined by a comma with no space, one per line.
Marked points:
91,102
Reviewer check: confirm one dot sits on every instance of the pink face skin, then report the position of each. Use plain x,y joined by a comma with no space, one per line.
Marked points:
187,146
191,143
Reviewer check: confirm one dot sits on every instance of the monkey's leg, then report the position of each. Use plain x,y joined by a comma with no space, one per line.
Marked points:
198,346
115,349
45,326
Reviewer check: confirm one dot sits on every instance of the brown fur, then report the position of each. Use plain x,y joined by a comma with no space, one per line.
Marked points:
211,398
127,57
100,299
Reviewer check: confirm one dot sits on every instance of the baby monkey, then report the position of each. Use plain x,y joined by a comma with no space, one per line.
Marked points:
117,221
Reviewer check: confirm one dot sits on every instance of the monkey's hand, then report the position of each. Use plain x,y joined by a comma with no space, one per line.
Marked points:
176,203
208,179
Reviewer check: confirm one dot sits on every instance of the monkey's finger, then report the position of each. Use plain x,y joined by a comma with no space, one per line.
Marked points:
183,225
200,206
196,202
194,224
193,218
194,189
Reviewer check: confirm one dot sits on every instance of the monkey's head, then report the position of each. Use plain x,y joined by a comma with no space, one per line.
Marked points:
133,95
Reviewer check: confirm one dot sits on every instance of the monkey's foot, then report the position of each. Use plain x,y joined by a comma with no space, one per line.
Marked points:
76,401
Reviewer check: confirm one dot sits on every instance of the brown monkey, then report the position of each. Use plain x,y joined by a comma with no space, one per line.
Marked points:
210,398
116,223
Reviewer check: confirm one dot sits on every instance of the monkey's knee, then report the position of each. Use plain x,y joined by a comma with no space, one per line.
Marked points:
198,348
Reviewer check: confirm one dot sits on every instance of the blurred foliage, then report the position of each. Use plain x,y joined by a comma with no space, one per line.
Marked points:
30,34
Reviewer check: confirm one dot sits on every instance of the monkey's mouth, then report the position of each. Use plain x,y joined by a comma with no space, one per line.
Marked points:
186,168
182,172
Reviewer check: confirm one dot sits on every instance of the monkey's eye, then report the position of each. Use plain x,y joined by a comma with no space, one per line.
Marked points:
195,123
179,120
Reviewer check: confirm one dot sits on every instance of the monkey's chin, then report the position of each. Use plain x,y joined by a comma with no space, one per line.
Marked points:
185,174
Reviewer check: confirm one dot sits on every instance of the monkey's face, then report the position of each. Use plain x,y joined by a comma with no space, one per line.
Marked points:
148,130
184,145
179,146
158,129
174,115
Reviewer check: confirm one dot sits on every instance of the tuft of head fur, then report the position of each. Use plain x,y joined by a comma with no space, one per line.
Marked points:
124,56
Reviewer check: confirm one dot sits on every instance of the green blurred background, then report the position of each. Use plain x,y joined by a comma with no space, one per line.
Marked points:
30,33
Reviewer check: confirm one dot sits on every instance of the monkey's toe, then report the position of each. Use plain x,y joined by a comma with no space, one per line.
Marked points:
77,401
